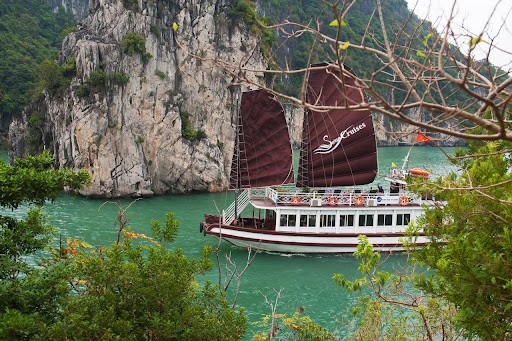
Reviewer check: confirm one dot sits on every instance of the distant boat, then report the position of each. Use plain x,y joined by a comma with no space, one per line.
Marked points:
328,207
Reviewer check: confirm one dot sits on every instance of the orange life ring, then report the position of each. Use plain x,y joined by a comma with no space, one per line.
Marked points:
332,201
419,172
403,200
359,200
295,200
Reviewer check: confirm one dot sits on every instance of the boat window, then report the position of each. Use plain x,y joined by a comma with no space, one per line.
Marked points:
312,220
284,220
366,220
307,220
403,219
288,219
291,220
347,220
327,220
384,220
303,220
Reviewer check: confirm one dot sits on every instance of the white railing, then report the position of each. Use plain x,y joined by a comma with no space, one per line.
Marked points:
356,197
229,214
292,196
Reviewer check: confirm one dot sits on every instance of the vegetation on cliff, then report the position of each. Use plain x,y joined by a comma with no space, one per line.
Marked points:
245,10
30,33
134,43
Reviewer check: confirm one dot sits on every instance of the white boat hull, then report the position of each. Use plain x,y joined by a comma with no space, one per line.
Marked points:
309,243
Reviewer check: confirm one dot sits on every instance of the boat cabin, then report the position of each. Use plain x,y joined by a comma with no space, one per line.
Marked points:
357,211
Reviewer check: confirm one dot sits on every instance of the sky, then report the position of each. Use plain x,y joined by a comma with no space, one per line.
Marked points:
473,16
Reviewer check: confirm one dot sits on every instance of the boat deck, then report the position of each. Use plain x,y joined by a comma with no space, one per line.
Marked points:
359,201
265,203
269,198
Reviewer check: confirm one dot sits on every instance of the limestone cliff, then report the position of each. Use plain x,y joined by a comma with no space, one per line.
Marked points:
147,117
77,7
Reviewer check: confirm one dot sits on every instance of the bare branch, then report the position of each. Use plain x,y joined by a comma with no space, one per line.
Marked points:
435,86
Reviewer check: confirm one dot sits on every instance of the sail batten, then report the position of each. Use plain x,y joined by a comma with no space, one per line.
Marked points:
263,154
338,146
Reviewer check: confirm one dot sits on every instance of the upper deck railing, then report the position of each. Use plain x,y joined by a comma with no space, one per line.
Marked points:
334,197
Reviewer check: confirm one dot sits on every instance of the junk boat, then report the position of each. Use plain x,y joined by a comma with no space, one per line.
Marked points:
330,205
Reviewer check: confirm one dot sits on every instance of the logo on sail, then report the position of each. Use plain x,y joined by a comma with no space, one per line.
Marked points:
330,146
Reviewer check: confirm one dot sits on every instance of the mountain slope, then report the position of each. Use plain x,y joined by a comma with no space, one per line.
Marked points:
30,32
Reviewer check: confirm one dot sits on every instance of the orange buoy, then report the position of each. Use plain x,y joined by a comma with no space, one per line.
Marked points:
295,200
332,201
403,200
359,200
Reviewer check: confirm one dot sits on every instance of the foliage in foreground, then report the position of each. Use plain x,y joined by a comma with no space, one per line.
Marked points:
471,253
33,180
467,290
129,290
134,289
298,327
389,308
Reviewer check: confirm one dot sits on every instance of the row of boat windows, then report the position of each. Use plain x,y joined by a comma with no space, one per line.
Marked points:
329,220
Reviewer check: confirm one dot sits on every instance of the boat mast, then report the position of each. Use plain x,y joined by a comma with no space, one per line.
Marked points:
303,176
235,90
406,160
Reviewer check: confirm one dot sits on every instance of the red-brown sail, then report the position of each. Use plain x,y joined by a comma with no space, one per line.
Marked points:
263,154
338,147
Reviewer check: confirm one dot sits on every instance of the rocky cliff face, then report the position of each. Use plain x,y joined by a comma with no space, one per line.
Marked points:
153,119
77,7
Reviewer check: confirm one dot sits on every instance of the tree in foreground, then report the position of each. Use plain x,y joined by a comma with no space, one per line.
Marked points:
135,288
471,249
29,181
462,288
389,307
30,298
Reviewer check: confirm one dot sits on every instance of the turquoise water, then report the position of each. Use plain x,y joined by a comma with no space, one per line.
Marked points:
303,280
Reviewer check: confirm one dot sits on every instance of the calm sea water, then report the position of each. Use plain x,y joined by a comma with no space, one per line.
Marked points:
304,280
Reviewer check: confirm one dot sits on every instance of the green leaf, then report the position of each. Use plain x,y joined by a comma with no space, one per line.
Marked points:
345,45
175,26
475,40
382,277
335,23
420,54
427,37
